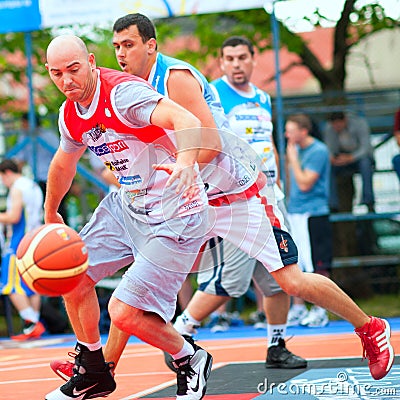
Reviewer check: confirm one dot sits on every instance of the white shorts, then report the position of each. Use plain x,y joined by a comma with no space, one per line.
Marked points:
226,270
162,254
246,225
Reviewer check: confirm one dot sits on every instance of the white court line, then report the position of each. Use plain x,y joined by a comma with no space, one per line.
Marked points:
58,379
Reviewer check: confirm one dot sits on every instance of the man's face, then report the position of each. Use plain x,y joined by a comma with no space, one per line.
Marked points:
5,178
293,133
338,124
72,73
132,54
237,63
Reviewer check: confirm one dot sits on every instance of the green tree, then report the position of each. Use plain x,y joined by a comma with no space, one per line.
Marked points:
355,24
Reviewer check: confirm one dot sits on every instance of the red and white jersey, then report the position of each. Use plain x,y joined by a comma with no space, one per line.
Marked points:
116,127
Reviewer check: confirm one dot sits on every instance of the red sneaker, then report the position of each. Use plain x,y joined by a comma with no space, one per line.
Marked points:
30,331
64,369
375,339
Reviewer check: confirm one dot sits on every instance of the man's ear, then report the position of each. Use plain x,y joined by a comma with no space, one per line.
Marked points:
151,45
92,61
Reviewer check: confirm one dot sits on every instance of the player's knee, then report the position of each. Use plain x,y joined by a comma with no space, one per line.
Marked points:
123,316
290,279
81,292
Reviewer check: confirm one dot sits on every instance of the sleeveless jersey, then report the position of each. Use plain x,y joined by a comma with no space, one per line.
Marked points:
250,118
32,213
236,168
117,129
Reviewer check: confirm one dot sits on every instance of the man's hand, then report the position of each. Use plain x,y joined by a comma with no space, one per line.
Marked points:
53,218
342,159
186,175
291,152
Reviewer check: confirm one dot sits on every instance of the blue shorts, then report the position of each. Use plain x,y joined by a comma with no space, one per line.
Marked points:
11,281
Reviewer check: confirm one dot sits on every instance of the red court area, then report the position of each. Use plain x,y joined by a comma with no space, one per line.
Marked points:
25,372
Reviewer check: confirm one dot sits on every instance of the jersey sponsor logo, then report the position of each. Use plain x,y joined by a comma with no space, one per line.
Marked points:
96,132
191,205
244,180
132,194
130,180
117,165
108,148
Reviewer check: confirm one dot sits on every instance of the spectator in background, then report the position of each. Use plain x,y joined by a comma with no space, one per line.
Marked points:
396,133
308,210
24,213
38,155
348,141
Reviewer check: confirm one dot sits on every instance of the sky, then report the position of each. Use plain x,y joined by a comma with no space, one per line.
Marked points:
292,11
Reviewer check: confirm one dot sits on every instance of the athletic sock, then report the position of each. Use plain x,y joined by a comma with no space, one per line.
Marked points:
91,346
29,314
185,322
275,332
187,350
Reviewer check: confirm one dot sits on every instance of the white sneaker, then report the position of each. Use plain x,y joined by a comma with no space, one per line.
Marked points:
192,374
317,318
295,316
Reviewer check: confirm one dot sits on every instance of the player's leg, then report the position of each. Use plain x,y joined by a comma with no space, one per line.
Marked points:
276,250
224,272
20,296
145,299
276,306
92,376
320,290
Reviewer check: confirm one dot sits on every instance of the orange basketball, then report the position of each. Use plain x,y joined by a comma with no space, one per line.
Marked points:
52,259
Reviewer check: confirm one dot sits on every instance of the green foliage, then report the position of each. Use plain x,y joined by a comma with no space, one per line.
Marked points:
212,29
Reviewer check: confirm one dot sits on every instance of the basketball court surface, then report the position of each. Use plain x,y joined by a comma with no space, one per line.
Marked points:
335,369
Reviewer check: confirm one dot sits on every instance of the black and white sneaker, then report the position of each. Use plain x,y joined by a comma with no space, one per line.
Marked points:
192,374
169,361
92,378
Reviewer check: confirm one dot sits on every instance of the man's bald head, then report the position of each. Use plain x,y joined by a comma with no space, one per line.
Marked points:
72,68
67,44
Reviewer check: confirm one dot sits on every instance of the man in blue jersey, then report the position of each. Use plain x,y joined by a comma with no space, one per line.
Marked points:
226,270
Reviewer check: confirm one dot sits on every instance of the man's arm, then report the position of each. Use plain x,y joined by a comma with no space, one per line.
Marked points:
363,132
184,89
187,127
305,178
13,215
62,171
